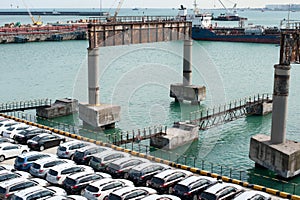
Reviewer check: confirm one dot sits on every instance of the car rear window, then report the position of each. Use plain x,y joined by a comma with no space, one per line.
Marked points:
181,188
91,188
158,181
16,198
52,172
20,160
114,166
2,190
134,172
62,148
207,196
97,160
70,181
114,197
79,154
8,176
36,166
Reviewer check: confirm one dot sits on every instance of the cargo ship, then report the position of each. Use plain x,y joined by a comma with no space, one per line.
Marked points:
202,29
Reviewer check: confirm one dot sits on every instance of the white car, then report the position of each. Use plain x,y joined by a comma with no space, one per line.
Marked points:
40,167
253,195
8,150
58,174
131,193
100,190
70,197
39,192
6,124
7,175
12,130
67,149
161,197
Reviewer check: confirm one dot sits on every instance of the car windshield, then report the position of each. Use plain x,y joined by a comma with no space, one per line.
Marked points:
20,160
158,181
52,172
181,188
70,181
2,190
62,148
91,188
207,196
79,154
114,197
16,198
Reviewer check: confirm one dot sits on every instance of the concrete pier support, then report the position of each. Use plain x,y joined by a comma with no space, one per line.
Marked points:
187,62
93,75
96,114
280,102
185,90
275,152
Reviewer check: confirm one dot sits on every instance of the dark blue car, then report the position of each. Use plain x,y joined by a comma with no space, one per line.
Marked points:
23,162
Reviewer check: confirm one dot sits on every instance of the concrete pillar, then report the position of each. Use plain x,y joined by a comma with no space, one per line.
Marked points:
187,62
280,103
93,76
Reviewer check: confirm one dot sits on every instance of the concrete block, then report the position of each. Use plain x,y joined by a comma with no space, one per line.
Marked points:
263,108
192,93
61,107
179,135
283,159
99,116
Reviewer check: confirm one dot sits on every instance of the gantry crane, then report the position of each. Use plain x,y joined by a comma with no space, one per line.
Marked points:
113,18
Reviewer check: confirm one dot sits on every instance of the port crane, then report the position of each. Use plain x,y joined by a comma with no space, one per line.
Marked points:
227,10
114,18
37,22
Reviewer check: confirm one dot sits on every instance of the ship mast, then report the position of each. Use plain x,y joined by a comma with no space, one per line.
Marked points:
196,9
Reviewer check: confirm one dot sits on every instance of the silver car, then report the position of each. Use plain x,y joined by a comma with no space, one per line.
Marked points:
40,168
58,174
9,187
67,149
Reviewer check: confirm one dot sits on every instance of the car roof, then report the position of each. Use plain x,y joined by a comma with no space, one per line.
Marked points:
86,148
32,153
249,194
64,166
80,174
108,153
161,197
70,143
13,181
220,186
45,160
5,144
169,172
193,179
125,190
144,165
43,135
103,182
128,159
25,192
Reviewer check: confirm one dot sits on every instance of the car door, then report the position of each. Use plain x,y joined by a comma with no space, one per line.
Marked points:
10,151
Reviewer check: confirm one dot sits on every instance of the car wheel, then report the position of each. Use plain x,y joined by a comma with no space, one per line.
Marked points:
105,198
82,192
61,142
126,175
170,190
72,157
24,151
195,197
42,148
2,158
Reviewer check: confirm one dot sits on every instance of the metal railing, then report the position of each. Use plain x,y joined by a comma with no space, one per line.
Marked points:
24,105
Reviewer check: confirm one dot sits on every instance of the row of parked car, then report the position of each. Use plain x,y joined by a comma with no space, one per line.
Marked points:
96,172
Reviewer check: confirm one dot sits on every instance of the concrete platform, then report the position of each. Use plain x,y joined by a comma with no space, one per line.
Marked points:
179,135
283,159
192,93
61,107
261,109
100,116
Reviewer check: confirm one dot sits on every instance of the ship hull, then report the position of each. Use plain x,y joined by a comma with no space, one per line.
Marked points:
209,35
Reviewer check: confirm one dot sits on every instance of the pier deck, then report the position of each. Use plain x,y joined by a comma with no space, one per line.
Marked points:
24,105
